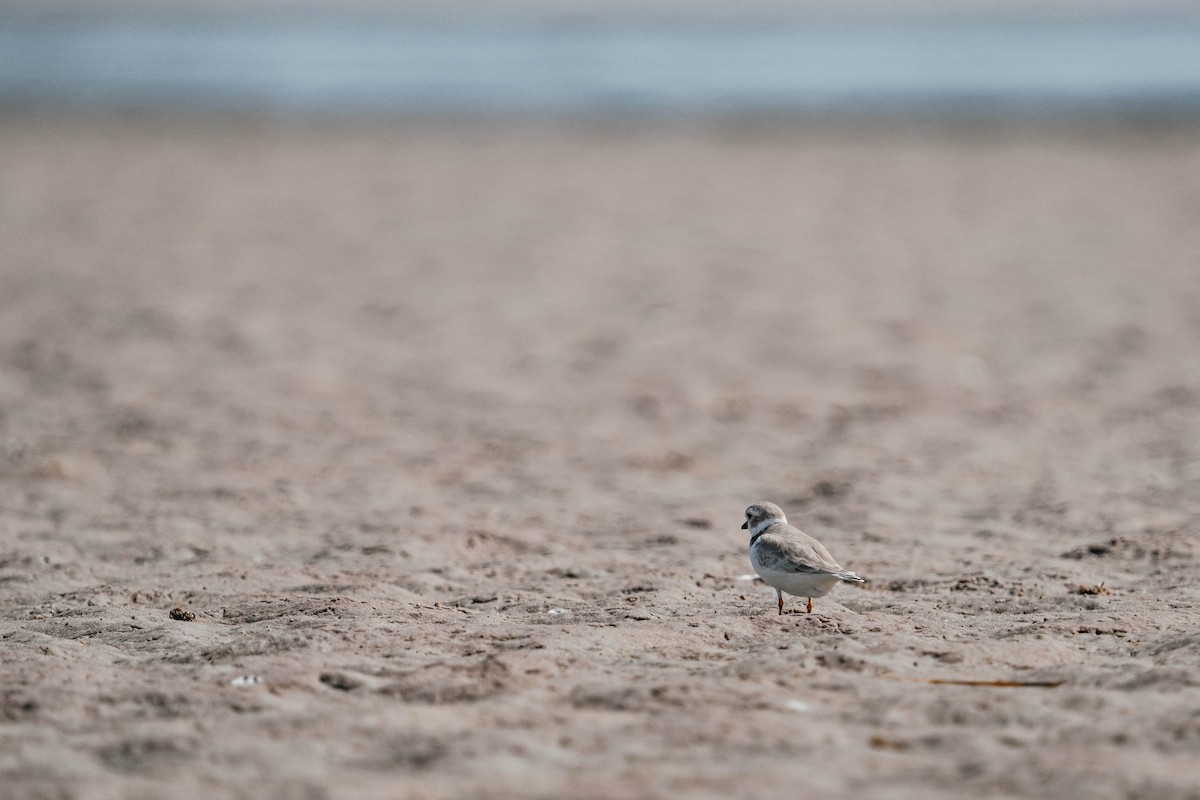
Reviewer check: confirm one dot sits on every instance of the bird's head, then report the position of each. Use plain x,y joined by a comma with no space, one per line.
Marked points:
762,515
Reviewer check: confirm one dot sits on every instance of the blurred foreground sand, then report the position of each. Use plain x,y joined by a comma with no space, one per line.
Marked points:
445,433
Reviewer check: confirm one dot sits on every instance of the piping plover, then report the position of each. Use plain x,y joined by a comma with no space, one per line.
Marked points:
788,559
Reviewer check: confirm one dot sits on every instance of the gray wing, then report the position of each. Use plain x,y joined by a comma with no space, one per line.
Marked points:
794,551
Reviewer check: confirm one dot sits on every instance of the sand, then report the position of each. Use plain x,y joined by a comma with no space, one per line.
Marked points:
443,433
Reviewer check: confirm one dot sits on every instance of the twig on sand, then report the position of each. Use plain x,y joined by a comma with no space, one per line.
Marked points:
970,682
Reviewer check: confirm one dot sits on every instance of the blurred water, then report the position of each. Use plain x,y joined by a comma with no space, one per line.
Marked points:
493,63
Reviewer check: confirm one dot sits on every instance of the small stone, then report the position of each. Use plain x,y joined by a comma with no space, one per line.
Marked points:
182,614
340,681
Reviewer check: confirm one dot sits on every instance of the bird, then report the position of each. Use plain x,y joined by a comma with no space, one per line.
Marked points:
788,559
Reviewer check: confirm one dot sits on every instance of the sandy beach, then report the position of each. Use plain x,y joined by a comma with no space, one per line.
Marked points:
439,436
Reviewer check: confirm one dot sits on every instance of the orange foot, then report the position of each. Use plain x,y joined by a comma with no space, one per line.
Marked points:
810,605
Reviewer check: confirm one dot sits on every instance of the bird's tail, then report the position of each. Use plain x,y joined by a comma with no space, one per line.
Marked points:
850,577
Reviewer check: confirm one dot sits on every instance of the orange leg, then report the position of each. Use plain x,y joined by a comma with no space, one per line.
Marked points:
780,594
810,605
